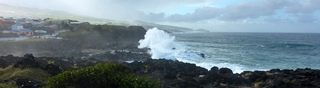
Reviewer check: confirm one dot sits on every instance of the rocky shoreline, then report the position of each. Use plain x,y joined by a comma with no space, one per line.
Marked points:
170,73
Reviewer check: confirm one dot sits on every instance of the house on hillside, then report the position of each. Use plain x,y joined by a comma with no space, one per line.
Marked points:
22,21
17,26
35,22
53,26
2,27
40,31
1,21
8,24
26,32
9,19
6,31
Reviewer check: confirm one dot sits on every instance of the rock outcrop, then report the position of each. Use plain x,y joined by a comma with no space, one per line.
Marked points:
175,74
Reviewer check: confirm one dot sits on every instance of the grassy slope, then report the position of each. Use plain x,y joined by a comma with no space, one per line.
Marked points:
10,73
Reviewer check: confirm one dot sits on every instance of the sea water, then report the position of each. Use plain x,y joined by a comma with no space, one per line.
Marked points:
237,51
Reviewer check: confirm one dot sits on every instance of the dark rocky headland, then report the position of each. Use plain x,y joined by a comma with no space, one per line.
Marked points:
90,45
171,74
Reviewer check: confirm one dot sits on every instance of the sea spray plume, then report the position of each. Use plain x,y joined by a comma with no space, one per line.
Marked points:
161,44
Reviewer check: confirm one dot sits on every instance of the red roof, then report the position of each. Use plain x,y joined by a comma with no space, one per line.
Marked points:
8,23
1,21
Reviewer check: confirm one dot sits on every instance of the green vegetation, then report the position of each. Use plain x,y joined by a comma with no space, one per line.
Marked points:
75,66
11,73
108,75
10,85
31,40
259,84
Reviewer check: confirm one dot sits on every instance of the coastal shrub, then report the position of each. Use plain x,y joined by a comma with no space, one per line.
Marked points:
260,84
108,75
8,85
11,73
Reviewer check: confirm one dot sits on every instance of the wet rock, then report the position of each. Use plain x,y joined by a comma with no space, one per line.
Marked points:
3,63
225,71
27,83
258,76
214,70
202,55
275,70
52,69
27,61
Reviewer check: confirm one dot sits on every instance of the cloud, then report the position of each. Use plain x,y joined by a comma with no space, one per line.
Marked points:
203,13
152,17
111,9
153,4
233,12
253,10
306,19
303,6
151,10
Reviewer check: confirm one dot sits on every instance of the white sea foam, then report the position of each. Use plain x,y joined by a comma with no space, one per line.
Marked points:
162,45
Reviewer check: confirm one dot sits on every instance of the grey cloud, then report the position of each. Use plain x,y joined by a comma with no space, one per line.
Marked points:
136,9
278,20
306,19
252,9
303,6
155,3
203,13
236,11
152,17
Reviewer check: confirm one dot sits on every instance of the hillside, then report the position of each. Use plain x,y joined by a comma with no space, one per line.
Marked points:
167,28
22,12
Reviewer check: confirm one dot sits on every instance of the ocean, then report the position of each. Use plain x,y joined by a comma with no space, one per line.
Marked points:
237,51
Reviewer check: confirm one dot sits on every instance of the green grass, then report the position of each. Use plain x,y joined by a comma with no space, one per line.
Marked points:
107,75
10,85
11,73
31,40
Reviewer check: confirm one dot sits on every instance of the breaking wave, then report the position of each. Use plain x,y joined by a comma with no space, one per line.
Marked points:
164,46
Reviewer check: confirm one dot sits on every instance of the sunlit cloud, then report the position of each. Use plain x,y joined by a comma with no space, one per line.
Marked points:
189,13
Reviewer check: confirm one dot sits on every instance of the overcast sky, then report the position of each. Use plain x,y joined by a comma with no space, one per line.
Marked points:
214,15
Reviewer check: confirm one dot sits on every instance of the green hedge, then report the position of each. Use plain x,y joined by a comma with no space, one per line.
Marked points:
108,75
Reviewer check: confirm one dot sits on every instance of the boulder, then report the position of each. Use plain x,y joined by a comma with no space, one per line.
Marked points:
214,70
27,61
27,83
225,71
3,63
52,69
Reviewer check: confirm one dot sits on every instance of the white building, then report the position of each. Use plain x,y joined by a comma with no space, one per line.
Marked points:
16,27
40,31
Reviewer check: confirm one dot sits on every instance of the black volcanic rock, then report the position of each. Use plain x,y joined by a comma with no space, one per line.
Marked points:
214,70
225,71
3,63
175,74
52,69
27,61
184,75
28,83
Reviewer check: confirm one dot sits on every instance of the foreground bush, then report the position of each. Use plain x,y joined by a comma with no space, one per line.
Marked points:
107,75
11,73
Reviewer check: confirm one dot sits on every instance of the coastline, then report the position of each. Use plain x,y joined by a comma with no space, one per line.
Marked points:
178,74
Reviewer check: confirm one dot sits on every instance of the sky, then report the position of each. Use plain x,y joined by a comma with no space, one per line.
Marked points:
215,15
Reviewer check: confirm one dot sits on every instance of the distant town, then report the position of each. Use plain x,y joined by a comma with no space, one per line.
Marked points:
16,29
